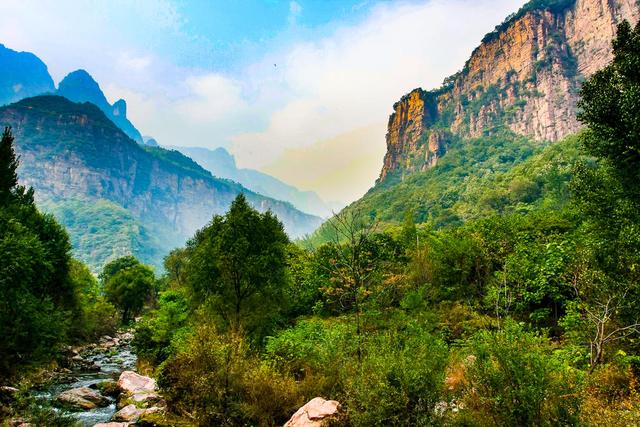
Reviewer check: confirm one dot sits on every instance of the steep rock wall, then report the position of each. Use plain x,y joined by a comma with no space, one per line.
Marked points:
525,76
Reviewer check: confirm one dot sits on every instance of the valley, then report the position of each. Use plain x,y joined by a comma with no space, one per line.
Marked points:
489,276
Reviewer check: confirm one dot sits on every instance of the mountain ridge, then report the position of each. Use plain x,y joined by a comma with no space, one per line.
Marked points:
222,164
72,152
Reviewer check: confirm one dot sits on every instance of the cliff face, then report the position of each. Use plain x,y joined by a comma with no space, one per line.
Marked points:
525,76
73,151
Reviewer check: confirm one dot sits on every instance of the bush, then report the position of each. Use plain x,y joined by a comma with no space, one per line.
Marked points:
155,333
516,379
399,380
396,379
97,316
218,381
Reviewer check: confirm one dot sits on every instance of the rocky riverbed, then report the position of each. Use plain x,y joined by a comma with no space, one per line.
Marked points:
100,388
101,385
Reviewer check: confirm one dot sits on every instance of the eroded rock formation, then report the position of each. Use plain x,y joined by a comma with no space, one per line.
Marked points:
524,76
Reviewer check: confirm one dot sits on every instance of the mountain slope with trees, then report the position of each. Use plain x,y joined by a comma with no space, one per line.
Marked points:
80,162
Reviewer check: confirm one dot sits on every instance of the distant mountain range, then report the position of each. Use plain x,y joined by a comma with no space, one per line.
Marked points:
114,190
222,164
116,196
24,75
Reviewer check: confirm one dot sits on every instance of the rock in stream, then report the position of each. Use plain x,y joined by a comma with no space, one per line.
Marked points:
87,390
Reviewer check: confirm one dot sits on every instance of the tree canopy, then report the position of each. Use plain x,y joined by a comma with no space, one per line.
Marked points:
237,265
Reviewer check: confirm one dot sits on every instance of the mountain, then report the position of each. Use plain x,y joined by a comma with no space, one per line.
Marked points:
524,77
222,164
516,95
22,74
115,196
79,86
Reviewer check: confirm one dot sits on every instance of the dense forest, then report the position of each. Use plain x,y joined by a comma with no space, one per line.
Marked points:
511,300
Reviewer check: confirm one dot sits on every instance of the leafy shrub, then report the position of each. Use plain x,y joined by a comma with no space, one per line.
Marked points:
98,317
155,332
218,381
518,380
399,380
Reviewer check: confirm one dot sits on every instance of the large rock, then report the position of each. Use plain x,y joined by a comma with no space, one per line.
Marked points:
82,398
130,382
315,413
129,413
524,76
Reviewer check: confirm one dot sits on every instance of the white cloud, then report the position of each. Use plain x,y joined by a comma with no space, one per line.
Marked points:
212,97
130,62
352,77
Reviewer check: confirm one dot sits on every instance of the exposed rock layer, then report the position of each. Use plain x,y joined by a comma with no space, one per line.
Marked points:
525,77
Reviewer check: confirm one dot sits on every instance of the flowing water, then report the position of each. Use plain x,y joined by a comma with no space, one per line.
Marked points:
111,362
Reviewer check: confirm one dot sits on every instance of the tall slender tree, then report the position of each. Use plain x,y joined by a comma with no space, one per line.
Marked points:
8,166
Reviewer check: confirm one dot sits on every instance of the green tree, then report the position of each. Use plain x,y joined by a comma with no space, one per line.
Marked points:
606,274
610,103
129,288
8,166
118,264
155,333
98,316
36,293
237,265
409,233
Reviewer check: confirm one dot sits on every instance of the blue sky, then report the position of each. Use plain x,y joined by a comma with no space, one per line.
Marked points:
202,73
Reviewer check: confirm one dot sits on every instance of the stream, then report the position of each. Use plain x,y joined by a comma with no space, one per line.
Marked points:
95,364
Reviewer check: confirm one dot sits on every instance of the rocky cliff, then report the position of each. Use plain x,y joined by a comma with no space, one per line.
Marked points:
524,76
73,153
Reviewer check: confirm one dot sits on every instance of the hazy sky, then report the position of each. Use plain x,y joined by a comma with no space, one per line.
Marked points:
260,77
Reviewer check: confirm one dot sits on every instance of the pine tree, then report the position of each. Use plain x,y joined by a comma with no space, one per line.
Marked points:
8,166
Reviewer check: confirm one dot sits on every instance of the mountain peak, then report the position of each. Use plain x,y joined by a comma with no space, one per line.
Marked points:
80,86
22,74
120,108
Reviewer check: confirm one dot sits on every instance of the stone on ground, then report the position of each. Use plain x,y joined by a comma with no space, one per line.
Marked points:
129,413
130,382
315,413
